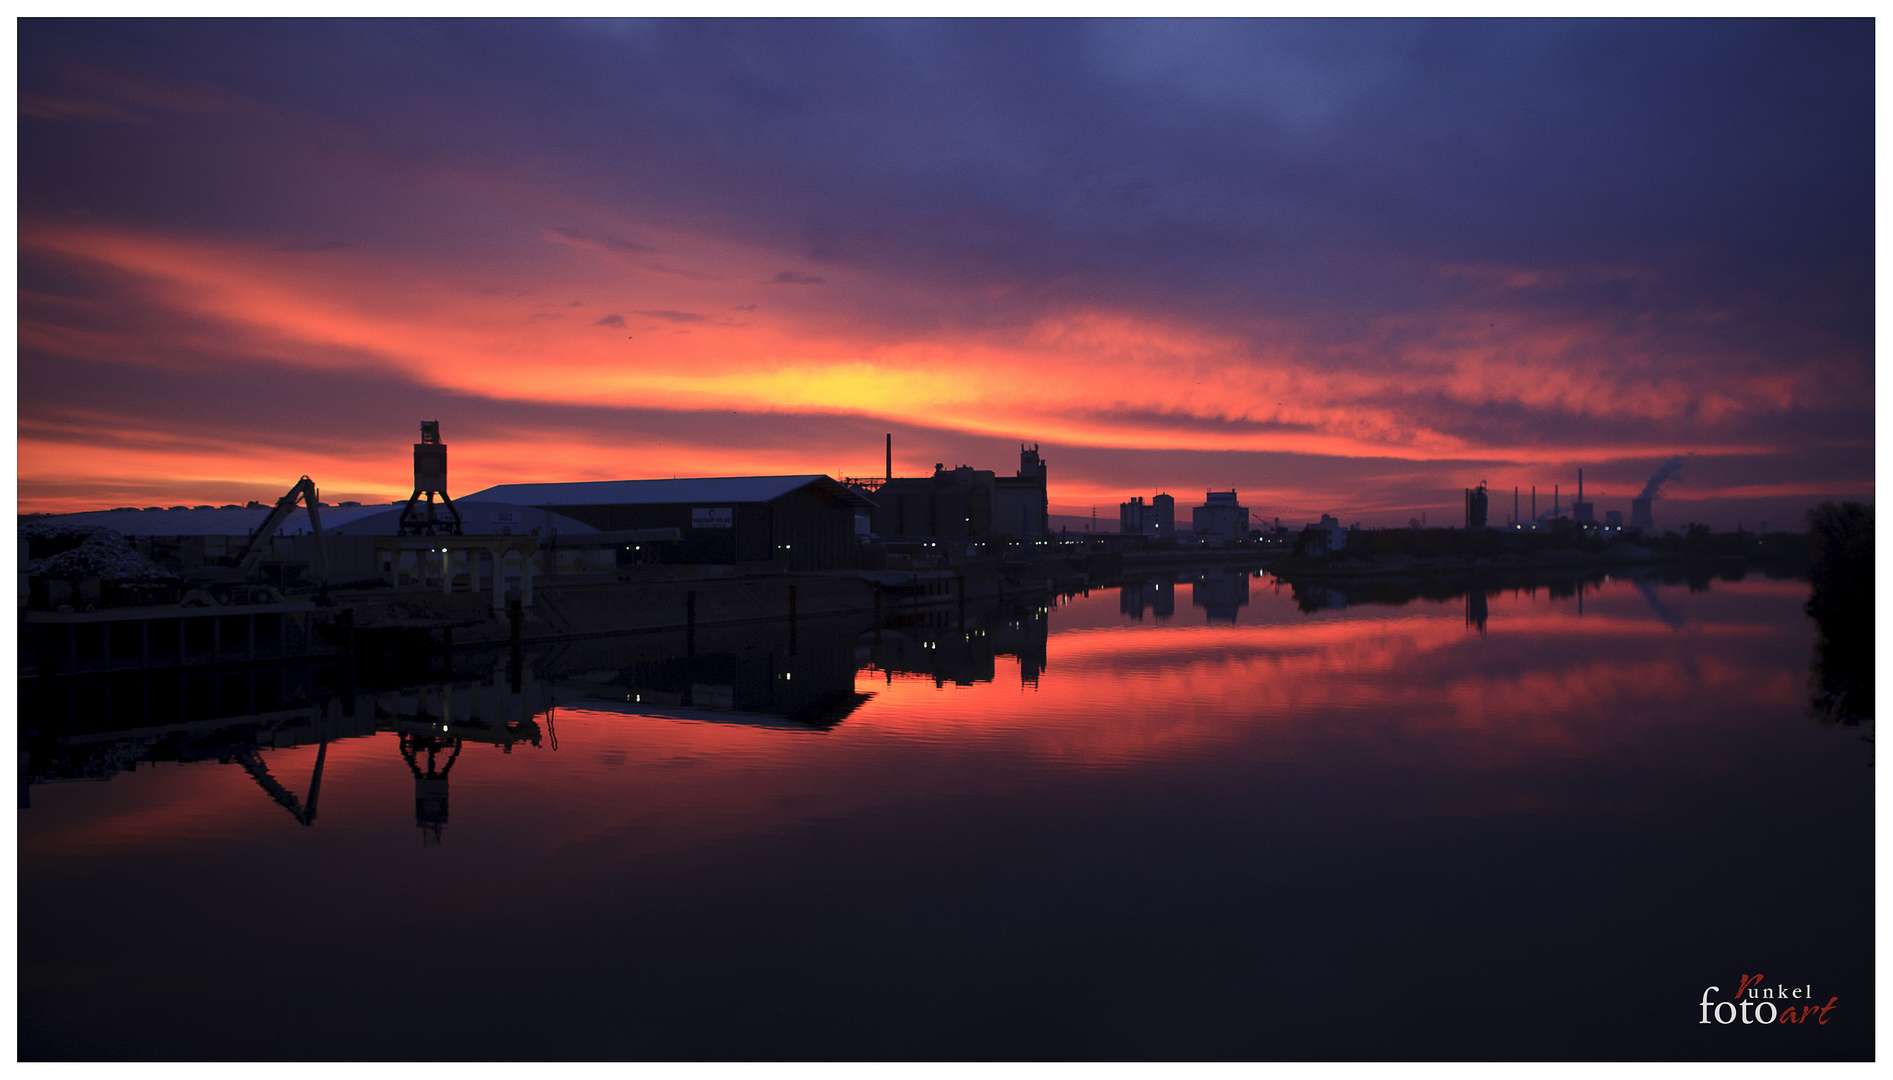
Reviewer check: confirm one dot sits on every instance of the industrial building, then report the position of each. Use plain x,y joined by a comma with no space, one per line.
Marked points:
1221,519
807,522
1021,506
952,503
1155,519
961,503
1324,537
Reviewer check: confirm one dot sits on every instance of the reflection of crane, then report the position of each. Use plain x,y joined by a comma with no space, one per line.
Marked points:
304,491
252,763
430,785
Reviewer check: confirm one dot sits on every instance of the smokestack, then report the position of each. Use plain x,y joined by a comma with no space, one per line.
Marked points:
890,457
1661,475
1580,485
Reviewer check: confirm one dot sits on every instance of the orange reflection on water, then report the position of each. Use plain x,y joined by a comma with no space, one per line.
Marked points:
1412,689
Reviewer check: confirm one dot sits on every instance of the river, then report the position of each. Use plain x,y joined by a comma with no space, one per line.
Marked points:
1200,816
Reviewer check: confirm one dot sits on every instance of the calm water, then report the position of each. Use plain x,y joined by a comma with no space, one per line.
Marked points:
1193,819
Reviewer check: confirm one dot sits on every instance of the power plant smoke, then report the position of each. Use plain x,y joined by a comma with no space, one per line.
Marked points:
1662,474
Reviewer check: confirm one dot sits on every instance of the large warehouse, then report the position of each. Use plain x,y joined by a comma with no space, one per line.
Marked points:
807,521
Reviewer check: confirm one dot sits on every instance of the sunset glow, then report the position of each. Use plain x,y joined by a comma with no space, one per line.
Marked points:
686,250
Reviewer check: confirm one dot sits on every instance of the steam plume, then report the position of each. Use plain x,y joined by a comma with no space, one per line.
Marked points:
1663,472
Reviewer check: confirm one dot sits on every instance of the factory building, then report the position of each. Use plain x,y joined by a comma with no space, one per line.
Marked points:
806,521
963,503
1021,506
954,503
1221,519
1157,518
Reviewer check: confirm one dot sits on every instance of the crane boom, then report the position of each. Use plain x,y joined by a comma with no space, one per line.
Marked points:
304,492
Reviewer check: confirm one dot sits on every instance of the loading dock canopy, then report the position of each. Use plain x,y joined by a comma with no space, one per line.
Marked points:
708,489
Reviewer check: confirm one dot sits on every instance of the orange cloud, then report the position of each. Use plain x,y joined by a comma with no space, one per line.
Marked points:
637,315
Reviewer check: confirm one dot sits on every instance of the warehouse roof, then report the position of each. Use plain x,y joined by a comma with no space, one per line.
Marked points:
700,490
373,519
477,516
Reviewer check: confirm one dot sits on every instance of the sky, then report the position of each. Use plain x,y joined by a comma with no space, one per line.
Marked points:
1346,267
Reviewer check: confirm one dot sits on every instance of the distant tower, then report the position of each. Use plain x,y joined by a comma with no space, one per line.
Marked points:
1582,512
1165,513
1032,468
1475,507
1030,464
1130,516
430,479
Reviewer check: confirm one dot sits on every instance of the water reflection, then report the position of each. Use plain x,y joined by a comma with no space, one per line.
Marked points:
803,678
94,729
1076,828
1338,594
1158,597
1220,591
1670,616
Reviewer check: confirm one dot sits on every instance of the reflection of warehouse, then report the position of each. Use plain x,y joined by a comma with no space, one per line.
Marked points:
806,521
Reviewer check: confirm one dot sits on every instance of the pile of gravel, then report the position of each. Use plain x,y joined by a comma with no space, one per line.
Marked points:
87,552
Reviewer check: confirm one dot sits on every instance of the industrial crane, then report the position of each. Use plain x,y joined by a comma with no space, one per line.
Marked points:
304,492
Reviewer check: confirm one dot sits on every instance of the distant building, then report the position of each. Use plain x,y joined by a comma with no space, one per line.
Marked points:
1326,536
1613,519
1021,506
953,503
965,503
1476,507
1221,519
1156,519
